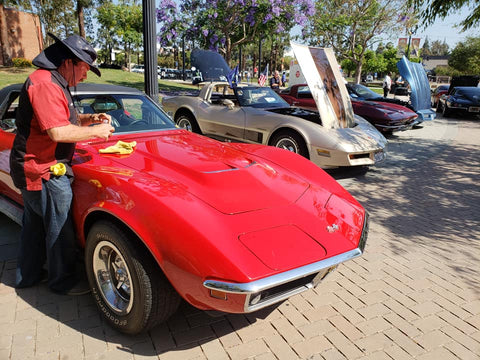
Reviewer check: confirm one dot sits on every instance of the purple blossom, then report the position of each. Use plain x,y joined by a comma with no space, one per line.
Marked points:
205,32
279,29
276,10
267,18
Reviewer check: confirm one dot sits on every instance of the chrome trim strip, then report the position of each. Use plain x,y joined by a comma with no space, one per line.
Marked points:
282,278
269,282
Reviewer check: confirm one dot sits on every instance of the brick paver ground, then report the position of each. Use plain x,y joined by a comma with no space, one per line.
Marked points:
415,294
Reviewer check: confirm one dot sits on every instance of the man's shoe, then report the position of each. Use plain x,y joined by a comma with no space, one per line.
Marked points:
81,288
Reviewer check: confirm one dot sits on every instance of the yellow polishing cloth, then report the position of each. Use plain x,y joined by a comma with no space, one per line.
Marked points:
121,147
58,169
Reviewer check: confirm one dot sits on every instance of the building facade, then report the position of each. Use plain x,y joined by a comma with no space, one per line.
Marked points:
24,34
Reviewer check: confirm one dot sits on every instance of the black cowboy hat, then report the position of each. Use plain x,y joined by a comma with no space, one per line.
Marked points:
51,58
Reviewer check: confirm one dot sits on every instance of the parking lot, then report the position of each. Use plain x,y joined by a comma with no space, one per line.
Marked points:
414,294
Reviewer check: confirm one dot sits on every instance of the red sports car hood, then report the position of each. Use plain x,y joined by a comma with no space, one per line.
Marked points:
226,178
386,107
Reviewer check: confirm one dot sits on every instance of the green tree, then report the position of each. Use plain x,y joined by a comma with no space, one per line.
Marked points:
106,34
350,27
129,28
120,24
81,5
390,58
439,48
433,9
465,58
426,50
374,63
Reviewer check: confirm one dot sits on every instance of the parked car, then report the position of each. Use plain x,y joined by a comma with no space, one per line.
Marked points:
386,117
255,114
226,227
461,100
138,69
439,91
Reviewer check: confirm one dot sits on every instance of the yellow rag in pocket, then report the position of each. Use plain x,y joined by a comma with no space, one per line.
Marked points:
58,169
121,147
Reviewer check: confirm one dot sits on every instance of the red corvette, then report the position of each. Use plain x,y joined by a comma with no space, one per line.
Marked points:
227,227
386,117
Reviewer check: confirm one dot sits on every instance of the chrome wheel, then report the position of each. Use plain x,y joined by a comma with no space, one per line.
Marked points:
184,123
113,277
287,144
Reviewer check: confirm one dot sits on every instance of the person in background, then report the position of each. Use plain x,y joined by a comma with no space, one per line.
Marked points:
387,84
284,79
48,126
276,81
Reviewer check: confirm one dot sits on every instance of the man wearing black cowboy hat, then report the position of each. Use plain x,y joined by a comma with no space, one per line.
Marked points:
48,127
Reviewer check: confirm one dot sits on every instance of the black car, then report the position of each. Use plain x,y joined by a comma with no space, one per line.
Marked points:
463,100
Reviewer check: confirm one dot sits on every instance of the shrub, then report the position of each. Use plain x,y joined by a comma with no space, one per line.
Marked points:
21,62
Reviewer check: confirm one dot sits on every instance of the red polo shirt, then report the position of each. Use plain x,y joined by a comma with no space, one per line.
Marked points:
45,103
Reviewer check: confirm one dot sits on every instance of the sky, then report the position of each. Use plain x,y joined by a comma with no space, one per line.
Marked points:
440,30
445,30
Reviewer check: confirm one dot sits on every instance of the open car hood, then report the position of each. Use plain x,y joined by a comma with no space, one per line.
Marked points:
420,94
465,80
327,85
210,65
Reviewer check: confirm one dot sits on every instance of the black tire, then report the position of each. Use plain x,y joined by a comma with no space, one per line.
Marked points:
134,295
290,140
439,107
188,122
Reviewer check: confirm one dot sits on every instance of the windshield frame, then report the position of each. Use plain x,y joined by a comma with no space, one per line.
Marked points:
277,102
122,118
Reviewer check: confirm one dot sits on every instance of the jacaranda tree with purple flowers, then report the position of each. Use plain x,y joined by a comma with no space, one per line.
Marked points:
225,24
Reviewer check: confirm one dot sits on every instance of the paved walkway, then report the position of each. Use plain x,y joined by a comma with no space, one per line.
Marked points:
415,294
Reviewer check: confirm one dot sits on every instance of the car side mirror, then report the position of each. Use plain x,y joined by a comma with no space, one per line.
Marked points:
228,103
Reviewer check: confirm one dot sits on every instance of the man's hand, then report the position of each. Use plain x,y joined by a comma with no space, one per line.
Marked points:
100,118
103,131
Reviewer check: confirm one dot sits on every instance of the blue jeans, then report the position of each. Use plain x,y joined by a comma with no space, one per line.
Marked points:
48,235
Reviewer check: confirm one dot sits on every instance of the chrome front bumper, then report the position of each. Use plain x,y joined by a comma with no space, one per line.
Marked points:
273,289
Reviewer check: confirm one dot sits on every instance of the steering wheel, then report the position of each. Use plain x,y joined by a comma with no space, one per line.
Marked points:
134,122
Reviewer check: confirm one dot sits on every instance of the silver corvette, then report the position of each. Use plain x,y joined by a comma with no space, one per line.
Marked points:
254,114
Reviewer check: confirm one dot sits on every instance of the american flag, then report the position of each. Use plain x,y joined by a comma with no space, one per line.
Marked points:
263,77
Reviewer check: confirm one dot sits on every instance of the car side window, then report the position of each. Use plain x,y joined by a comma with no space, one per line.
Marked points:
9,113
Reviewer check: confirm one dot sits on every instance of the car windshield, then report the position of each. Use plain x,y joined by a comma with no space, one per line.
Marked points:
363,91
469,92
259,97
129,112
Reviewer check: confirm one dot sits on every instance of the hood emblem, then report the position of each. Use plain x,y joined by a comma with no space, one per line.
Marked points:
333,228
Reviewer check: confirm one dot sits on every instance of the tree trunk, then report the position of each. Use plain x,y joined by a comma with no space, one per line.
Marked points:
358,72
5,46
228,49
254,62
81,19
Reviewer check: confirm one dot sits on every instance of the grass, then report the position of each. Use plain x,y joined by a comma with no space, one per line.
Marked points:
11,75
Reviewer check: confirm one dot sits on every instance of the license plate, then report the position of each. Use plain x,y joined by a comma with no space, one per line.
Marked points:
379,156
473,109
